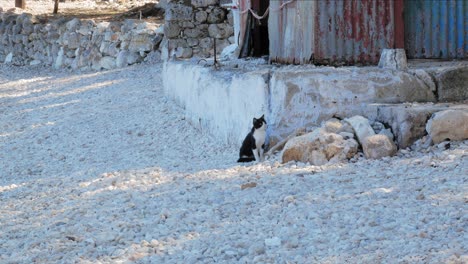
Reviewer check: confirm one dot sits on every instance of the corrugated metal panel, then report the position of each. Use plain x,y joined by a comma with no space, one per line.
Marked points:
291,32
332,32
436,29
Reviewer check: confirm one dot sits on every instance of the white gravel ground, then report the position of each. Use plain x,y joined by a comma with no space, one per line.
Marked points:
102,168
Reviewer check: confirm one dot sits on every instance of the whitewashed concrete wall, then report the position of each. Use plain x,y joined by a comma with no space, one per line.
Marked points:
223,102
219,103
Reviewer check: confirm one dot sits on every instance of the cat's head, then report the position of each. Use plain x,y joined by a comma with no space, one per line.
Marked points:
259,122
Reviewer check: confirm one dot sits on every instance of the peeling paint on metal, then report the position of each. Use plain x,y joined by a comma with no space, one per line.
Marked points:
331,32
436,29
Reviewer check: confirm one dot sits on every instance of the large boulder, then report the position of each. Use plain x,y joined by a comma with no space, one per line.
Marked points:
378,146
319,147
448,124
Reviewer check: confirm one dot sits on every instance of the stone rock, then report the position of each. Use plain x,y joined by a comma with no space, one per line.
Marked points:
141,42
194,33
393,59
332,126
73,24
182,52
111,36
192,42
407,121
173,44
109,48
387,132
346,135
201,16
35,62
361,127
229,52
378,146
157,40
86,27
9,58
188,24
319,147
220,31
448,124
172,30
204,3
218,15
133,57
60,59
452,84
121,60
206,43
178,12
108,63
153,56
221,44
377,126
101,27
72,40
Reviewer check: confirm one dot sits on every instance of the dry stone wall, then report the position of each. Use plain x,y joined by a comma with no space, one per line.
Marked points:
76,44
192,27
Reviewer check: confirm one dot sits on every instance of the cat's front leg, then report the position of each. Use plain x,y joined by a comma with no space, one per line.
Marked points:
262,157
255,152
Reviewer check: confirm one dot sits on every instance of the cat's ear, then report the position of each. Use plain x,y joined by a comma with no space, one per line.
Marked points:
263,116
254,120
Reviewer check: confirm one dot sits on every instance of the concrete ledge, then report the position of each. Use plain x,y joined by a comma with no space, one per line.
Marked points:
223,102
307,96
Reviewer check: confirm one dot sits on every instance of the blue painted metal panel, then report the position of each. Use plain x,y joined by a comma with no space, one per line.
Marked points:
436,29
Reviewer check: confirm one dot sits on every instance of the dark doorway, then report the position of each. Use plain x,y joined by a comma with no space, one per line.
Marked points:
256,42
260,29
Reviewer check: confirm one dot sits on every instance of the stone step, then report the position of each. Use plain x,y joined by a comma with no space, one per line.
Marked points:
408,120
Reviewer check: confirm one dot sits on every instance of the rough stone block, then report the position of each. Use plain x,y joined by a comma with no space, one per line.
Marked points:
73,24
172,29
220,31
452,84
204,3
216,16
178,12
408,121
201,16
393,59
141,43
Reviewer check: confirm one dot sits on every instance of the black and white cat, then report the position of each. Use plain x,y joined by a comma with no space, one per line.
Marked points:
254,143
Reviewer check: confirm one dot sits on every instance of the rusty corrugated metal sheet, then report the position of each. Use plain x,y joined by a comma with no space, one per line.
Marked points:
332,32
436,29
290,32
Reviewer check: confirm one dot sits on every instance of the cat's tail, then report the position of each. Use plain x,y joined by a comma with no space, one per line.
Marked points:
246,159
